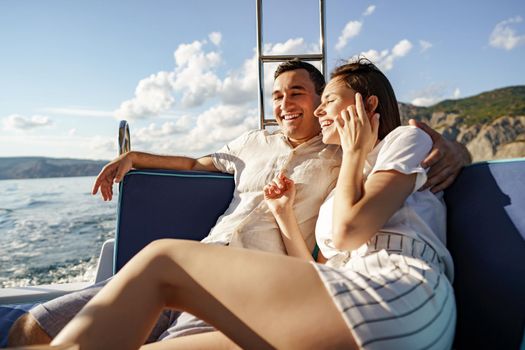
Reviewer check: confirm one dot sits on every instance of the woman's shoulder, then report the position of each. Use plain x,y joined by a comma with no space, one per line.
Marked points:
408,131
404,141
407,136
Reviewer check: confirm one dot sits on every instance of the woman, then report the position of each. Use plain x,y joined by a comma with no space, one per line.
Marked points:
384,284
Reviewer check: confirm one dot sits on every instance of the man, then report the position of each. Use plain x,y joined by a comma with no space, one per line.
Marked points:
254,158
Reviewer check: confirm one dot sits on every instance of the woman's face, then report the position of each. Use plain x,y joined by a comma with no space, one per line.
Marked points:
336,97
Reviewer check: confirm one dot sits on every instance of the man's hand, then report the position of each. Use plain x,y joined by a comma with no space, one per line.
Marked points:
113,172
446,159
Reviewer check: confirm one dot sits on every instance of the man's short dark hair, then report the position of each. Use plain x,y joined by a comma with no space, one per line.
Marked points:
315,75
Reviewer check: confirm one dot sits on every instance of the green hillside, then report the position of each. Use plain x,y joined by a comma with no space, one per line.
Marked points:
486,106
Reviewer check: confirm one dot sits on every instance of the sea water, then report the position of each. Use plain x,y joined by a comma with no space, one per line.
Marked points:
51,230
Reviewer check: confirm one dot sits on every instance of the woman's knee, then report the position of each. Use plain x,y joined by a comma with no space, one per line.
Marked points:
164,246
163,256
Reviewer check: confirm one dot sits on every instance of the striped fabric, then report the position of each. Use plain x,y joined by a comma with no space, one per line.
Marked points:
393,294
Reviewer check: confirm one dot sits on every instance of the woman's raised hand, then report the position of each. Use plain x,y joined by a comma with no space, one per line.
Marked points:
357,130
279,194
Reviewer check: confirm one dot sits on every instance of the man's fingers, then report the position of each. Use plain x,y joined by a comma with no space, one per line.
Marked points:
107,193
104,192
445,184
120,175
98,182
95,188
438,168
434,135
433,157
439,180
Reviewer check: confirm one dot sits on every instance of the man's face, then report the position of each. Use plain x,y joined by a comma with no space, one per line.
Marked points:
294,103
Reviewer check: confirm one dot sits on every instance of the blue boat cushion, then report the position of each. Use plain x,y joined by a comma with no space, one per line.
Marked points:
486,237
168,204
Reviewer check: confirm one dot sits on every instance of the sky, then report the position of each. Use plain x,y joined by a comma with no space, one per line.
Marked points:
184,73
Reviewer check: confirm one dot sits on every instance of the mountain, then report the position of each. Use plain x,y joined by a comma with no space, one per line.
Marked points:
38,167
491,124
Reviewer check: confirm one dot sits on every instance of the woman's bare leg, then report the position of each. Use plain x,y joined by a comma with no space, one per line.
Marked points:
259,300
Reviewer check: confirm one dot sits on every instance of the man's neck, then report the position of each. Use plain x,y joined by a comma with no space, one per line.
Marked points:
296,142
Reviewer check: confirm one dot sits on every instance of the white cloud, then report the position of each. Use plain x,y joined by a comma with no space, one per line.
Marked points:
215,38
425,101
204,134
153,95
402,48
79,112
240,86
433,94
194,75
169,128
219,125
290,46
230,109
101,146
20,122
195,81
350,31
369,10
503,36
424,45
384,59
429,95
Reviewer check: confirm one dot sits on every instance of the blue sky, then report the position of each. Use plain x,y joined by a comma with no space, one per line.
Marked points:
184,74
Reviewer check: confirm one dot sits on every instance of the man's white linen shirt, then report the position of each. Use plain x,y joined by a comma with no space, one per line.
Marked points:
255,159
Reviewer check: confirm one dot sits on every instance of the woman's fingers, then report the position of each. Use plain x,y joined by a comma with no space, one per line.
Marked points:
375,124
281,180
360,109
275,186
339,124
354,119
271,191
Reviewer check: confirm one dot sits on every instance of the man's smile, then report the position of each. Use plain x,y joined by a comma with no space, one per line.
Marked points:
291,116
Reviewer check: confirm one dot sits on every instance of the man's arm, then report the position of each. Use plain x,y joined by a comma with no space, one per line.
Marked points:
114,171
446,159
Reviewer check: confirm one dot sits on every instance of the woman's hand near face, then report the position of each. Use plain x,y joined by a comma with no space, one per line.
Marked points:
279,194
357,131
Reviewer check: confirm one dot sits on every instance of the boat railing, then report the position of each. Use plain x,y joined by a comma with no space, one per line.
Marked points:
262,58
